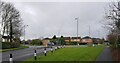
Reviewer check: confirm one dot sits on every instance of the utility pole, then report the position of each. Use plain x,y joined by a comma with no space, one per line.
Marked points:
11,31
77,27
24,33
89,30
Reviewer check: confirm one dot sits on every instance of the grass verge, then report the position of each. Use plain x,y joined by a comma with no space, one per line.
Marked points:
71,54
11,49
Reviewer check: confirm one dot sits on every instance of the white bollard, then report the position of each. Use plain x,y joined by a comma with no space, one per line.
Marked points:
45,52
11,59
35,55
51,49
64,46
56,48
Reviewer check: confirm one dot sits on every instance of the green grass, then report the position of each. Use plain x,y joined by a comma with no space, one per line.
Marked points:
11,49
71,54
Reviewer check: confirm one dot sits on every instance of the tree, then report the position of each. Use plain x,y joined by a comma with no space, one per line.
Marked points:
113,20
62,40
112,38
54,37
11,21
36,42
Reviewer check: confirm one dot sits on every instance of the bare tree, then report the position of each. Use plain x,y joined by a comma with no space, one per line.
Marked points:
113,16
11,21
113,20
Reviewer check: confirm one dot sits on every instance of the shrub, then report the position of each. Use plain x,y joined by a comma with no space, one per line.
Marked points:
15,44
7,45
36,42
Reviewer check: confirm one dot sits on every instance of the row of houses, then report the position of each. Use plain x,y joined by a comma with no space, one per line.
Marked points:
85,40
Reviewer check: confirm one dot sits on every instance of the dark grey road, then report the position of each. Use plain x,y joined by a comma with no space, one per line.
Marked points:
105,56
20,55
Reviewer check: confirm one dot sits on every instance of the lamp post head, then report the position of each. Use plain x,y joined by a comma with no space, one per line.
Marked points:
76,18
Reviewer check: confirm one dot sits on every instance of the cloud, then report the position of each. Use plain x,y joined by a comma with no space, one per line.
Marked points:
60,0
58,18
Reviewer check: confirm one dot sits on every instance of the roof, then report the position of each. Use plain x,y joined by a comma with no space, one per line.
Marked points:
5,37
75,37
96,38
46,38
87,37
67,38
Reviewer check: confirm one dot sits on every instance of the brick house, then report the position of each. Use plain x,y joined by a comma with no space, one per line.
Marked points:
75,39
87,39
72,39
45,41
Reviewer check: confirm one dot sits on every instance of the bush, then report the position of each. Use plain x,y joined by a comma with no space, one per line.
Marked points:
7,45
15,44
36,42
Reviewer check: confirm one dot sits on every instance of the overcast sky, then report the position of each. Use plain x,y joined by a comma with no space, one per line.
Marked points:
46,19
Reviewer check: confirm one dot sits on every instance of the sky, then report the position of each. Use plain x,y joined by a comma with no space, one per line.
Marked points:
45,19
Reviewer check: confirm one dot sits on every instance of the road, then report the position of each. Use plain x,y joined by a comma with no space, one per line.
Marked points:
20,55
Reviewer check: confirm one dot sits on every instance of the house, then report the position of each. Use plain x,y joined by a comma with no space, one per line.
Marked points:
5,38
96,40
106,42
75,39
67,39
72,40
87,40
45,41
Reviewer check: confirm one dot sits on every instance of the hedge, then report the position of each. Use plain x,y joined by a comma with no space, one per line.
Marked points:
36,42
7,45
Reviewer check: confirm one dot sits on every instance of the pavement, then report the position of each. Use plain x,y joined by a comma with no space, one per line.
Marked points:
105,56
20,55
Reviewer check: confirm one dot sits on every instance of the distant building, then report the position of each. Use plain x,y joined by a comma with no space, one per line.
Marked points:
75,39
67,39
72,39
45,41
5,38
87,39
96,40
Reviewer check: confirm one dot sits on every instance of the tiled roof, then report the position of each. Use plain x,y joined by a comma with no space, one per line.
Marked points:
75,37
67,38
87,37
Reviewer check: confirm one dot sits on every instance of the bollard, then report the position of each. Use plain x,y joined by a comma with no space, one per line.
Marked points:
11,59
58,47
64,46
45,53
61,46
51,49
35,55
55,48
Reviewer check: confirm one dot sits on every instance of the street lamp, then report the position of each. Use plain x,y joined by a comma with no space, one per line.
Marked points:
77,27
24,32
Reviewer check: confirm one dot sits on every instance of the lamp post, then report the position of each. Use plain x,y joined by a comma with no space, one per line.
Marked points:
24,32
77,27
